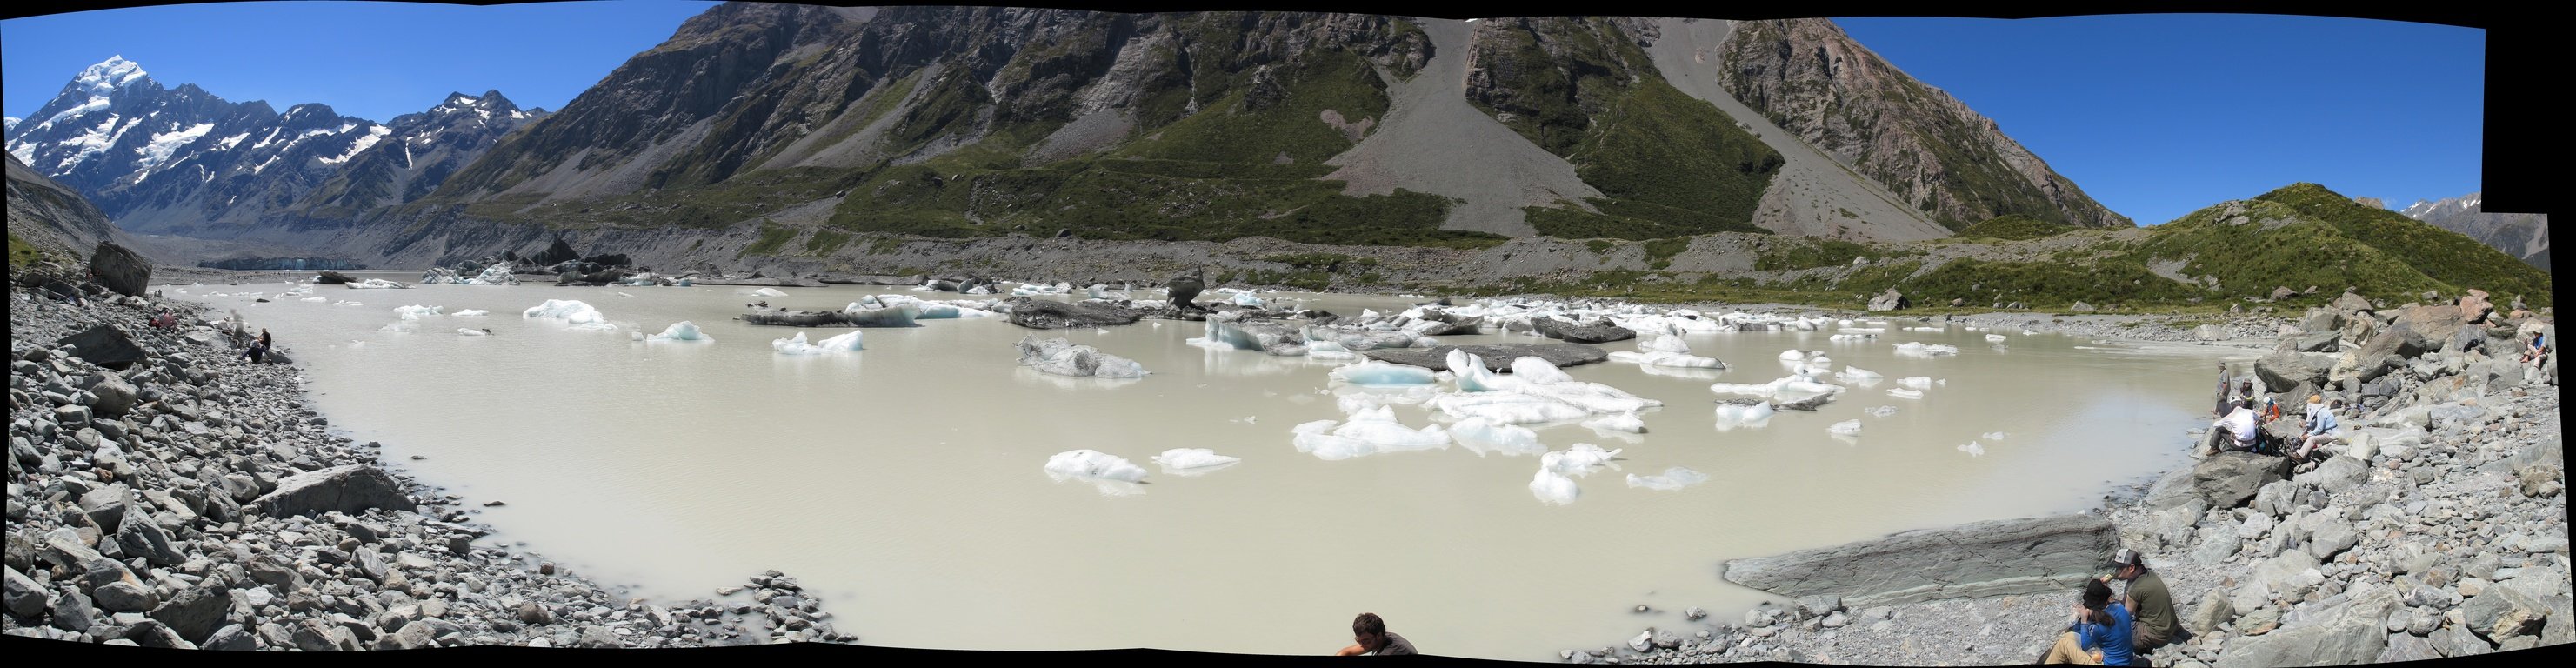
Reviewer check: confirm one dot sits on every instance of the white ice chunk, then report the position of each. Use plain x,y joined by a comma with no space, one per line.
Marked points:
1536,370
469,331
1193,461
1792,355
769,292
1994,338
1925,329
1881,411
1480,436
416,311
376,284
1973,449
1730,416
1580,460
315,299
1623,422
1668,360
471,313
1552,487
1507,408
1902,393
1374,372
1916,382
575,314
1845,428
684,331
1246,299
1663,343
1673,479
1093,464
1994,436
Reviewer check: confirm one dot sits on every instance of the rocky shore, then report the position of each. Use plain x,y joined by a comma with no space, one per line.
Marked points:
164,492
2438,529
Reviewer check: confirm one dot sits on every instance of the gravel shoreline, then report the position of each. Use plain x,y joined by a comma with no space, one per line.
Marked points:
196,500
2440,532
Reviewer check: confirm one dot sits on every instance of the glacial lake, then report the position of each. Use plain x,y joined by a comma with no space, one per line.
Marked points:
904,484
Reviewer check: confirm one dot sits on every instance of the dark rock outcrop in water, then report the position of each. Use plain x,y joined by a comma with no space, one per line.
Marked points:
122,270
1965,561
1185,290
1497,357
1597,332
1049,314
334,278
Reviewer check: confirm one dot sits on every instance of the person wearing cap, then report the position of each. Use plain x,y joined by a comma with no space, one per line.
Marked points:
2322,426
2148,601
2101,634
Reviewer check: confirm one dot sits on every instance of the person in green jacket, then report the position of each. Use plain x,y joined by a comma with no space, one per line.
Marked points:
2148,601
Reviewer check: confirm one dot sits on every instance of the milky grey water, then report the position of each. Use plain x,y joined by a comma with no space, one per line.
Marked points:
904,483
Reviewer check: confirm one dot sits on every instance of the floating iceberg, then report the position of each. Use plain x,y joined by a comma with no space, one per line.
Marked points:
1916,382
1093,464
1902,393
1994,338
1623,422
1539,371
1061,357
404,327
469,331
1792,355
1246,299
1369,432
1193,461
1851,338
315,299
1507,408
1845,428
688,331
1881,411
1925,329
1916,349
1670,360
1580,460
471,313
769,292
416,311
1552,487
1994,436
376,284
1731,415
1663,343
1853,374
575,314
1673,479
1481,436
1973,449
1375,372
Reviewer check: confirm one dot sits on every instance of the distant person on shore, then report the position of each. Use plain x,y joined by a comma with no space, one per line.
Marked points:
2101,634
2322,426
2222,391
256,353
2150,604
264,341
2239,426
2539,350
1372,638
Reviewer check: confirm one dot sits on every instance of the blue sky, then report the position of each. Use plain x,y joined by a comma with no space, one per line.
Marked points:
2153,115
372,60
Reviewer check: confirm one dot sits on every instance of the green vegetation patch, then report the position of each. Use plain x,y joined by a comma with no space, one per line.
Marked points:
772,238
2439,254
2014,227
1660,252
1805,253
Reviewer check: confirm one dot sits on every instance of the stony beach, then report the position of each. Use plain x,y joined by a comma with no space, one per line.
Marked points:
164,492
2439,529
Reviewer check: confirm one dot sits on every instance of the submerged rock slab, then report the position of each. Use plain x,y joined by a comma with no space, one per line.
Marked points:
1990,558
1047,314
1497,357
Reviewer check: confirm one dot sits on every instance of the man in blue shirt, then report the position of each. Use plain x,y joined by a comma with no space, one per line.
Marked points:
2322,426
2102,633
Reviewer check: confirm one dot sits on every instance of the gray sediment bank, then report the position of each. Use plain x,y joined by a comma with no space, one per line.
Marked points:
2438,529
190,499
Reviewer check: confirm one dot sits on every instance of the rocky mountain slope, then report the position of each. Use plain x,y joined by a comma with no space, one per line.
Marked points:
52,219
183,161
2522,235
1925,146
953,122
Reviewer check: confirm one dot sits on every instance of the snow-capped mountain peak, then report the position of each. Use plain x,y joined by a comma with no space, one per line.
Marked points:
108,76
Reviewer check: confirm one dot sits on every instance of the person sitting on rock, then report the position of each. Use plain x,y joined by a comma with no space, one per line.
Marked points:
2149,603
2322,426
257,352
2239,426
2101,634
1373,638
2538,350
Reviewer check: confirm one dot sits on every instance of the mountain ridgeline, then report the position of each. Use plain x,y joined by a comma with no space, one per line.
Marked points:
2522,235
777,121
